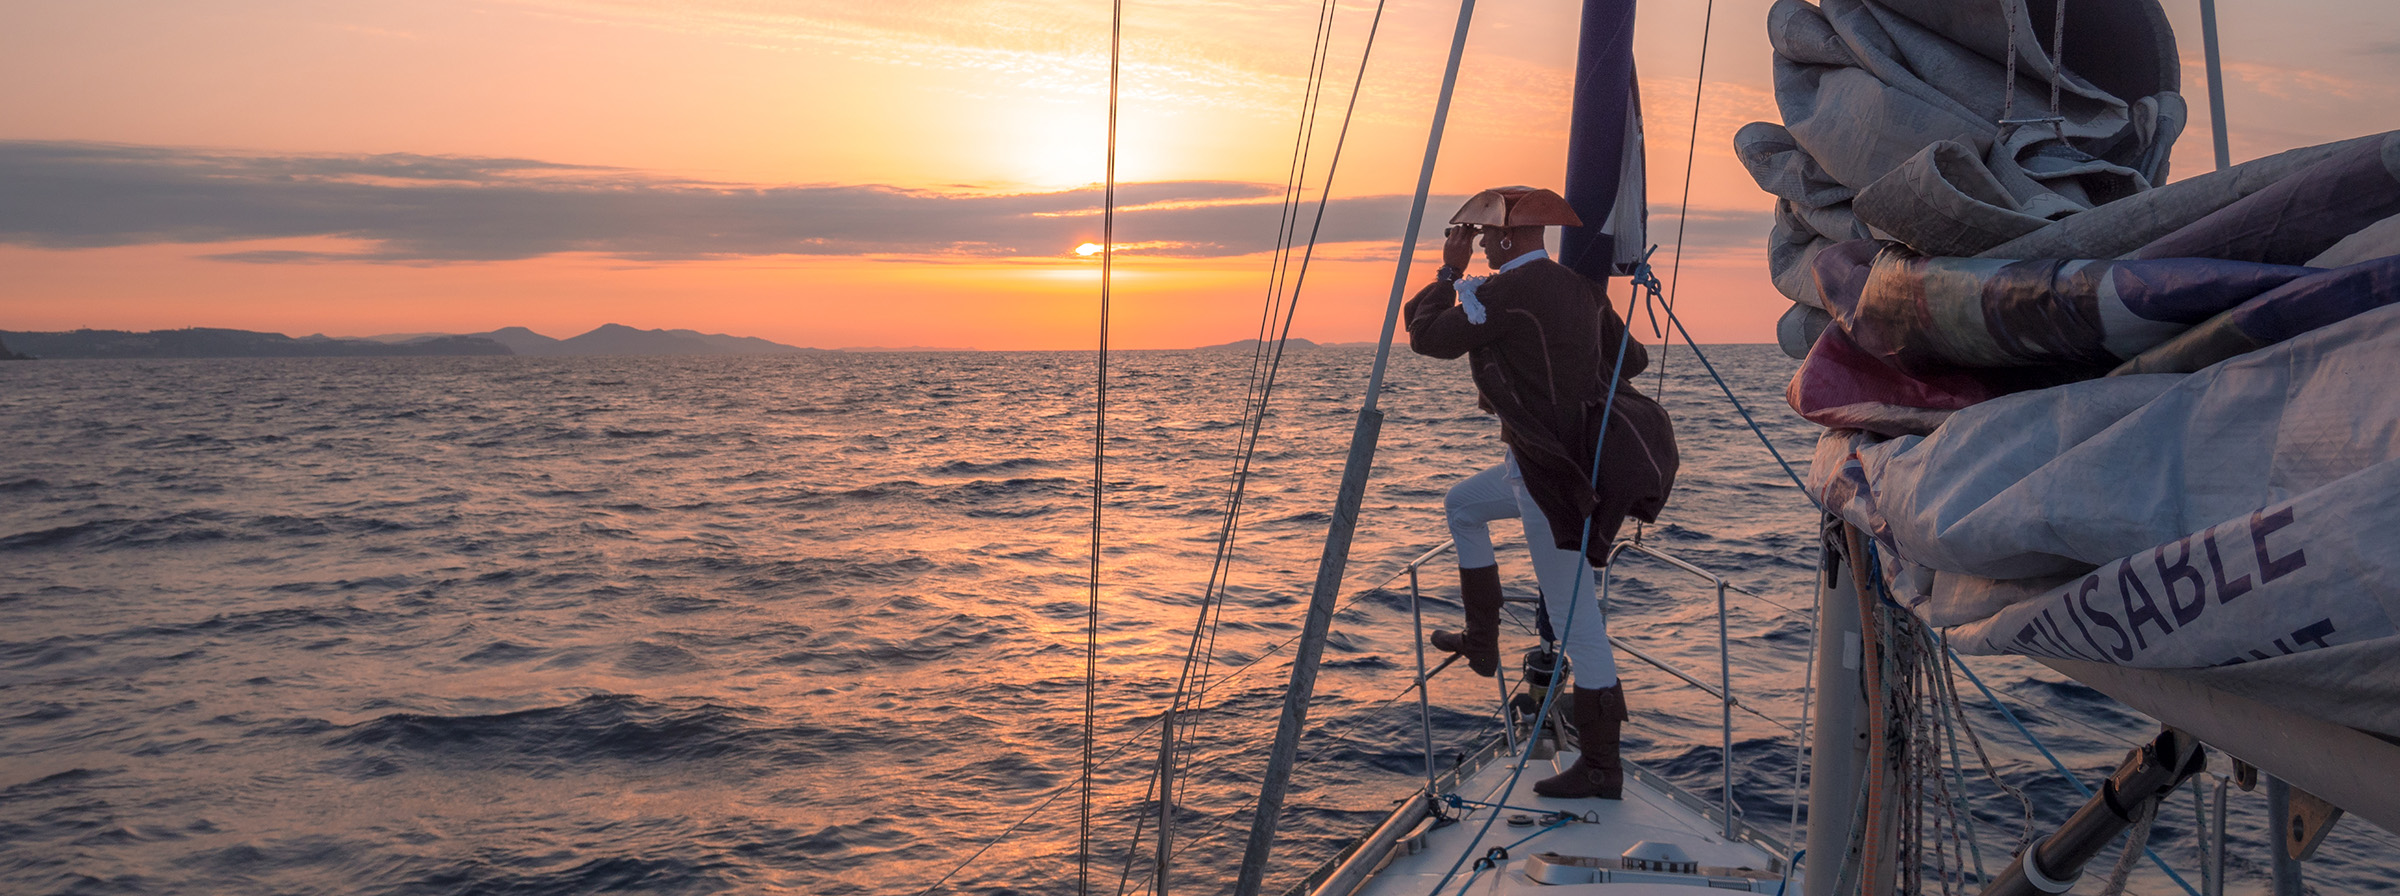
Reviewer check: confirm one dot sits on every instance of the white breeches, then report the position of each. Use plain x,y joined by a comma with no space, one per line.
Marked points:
1471,506
1497,493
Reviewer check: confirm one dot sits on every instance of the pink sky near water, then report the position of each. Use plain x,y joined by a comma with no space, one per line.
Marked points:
862,174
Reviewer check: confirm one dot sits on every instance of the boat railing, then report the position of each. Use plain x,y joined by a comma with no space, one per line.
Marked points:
1734,826
1724,689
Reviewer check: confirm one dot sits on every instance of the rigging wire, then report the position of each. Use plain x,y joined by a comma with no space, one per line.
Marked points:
1324,197
1199,659
1091,630
1255,408
1683,208
2080,787
1202,651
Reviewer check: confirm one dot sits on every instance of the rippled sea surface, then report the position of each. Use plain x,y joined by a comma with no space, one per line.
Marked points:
814,624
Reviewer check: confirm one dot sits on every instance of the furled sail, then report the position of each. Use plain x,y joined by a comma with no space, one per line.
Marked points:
2085,415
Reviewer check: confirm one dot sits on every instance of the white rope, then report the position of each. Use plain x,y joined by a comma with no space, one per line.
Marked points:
2138,838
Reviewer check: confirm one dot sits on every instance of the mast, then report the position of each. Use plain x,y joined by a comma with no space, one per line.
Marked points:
1843,831
2216,82
1839,744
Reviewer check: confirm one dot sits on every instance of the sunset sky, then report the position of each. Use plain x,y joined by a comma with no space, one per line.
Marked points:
897,173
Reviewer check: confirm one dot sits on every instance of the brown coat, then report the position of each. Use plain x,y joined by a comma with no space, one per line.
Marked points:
1542,360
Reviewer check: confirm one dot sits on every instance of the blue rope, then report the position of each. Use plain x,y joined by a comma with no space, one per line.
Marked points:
1645,278
2054,763
1505,850
1459,802
1786,879
1616,377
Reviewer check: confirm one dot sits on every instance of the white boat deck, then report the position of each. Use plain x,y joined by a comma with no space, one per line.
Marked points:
1650,812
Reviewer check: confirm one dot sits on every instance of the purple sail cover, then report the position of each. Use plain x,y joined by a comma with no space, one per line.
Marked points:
2298,217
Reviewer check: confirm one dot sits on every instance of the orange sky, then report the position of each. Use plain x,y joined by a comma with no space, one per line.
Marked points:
864,174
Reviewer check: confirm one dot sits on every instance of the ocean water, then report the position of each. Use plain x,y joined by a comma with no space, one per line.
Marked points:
815,624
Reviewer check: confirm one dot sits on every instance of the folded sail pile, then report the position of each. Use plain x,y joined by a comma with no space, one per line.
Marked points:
2084,415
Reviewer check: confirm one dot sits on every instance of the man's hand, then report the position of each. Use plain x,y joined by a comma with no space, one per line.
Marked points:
1458,246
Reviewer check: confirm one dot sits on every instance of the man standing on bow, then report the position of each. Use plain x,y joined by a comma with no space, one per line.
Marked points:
1547,353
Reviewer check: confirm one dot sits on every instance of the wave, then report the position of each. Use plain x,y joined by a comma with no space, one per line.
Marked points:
191,527
606,728
619,727
196,527
341,617
980,468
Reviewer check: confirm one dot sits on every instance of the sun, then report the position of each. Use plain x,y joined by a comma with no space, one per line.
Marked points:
1088,250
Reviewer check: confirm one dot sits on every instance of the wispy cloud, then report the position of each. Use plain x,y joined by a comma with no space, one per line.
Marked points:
416,209
1182,54
2291,82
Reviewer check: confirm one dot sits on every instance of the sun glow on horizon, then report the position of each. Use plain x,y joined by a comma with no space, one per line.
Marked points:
1088,250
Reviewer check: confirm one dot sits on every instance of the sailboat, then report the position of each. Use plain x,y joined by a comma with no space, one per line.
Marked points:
2142,432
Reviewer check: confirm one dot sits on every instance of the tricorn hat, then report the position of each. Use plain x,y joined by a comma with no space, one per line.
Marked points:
1517,207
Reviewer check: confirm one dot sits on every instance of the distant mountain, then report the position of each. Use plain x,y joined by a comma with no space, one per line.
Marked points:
618,339
211,342
1252,344
204,342
394,338
524,342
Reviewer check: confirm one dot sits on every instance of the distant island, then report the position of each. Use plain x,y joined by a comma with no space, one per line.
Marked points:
211,342
605,340
1294,342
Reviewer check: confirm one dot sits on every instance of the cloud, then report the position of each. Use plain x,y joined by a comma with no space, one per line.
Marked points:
1712,230
1191,54
437,209
416,209
2295,82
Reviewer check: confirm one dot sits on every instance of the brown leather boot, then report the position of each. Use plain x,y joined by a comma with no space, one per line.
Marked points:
1479,589
1599,715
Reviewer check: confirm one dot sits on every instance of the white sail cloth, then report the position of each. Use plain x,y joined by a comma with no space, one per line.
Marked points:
2240,519
1894,126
